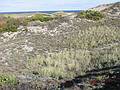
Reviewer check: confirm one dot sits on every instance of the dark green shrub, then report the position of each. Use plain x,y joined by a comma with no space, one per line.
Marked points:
90,14
6,79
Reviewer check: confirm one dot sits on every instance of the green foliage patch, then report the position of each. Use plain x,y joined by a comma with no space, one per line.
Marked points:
90,14
11,25
6,79
40,17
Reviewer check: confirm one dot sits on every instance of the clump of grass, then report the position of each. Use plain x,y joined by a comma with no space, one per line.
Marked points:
63,64
92,37
90,14
6,79
71,63
106,57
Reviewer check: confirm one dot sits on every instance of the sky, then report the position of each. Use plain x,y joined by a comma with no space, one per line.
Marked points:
49,5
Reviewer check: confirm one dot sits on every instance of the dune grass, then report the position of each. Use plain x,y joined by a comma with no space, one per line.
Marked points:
95,47
68,64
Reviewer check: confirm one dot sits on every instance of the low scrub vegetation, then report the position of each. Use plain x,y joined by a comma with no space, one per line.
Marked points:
10,25
71,63
62,64
95,47
90,14
93,37
40,17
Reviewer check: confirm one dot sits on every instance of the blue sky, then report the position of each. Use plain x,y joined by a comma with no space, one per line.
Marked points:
46,5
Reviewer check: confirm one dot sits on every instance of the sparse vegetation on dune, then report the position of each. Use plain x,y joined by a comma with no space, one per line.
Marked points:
10,24
48,48
64,64
68,64
90,48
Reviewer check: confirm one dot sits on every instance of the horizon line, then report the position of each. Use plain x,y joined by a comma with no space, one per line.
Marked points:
35,11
